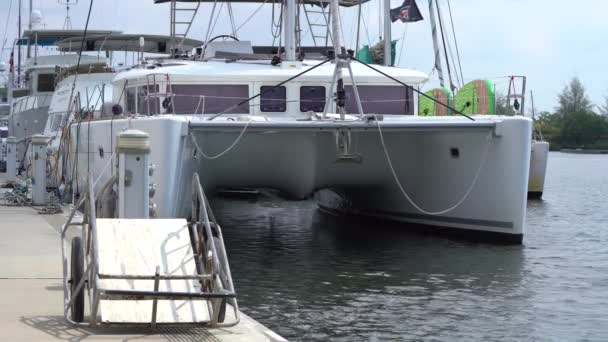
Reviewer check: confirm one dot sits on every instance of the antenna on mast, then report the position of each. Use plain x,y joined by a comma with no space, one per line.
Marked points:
67,24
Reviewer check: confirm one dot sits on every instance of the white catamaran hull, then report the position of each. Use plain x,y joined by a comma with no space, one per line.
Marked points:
461,174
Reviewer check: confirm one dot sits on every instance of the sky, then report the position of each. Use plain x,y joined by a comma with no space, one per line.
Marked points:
549,41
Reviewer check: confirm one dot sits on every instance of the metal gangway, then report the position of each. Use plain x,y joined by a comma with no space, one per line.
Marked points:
147,271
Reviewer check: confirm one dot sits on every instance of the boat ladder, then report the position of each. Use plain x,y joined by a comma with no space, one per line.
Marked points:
182,17
318,18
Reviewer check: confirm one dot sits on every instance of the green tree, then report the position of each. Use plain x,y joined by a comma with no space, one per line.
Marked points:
582,129
604,107
574,99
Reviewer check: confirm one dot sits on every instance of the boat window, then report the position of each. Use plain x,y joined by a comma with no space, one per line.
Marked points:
143,100
210,98
381,100
273,99
4,133
312,98
130,100
46,82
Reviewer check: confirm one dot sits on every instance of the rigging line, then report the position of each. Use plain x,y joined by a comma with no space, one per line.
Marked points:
415,90
232,22
447,61
270,89
402,43
84,36
210,22
219,11
369,41
458,79
251,16
8,15
358,28
455,41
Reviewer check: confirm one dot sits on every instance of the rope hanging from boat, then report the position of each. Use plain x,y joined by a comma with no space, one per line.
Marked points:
228,149
453,207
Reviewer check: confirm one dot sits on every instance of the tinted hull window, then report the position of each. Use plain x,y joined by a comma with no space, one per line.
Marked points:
210,99
312,99
273,99
396,100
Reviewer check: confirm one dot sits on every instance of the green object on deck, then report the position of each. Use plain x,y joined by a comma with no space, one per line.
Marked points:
430,107
364,55
476,97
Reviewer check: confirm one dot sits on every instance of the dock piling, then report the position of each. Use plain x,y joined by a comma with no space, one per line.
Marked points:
133,174
11,159
39,149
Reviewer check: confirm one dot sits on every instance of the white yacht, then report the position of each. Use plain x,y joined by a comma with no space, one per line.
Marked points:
5,109
82,91
241,119
31,94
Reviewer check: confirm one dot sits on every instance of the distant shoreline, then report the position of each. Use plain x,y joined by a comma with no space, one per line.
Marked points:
584,151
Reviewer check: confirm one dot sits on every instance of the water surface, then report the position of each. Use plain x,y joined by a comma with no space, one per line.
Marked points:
314,277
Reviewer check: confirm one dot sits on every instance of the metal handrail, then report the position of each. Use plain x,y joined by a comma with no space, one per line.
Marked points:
200,206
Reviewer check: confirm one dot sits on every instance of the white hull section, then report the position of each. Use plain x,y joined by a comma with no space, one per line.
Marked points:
456,173
538,168
23,126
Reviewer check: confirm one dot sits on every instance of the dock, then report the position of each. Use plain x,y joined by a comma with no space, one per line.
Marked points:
31,291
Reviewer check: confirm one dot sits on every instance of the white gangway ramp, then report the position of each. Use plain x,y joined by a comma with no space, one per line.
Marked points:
137,247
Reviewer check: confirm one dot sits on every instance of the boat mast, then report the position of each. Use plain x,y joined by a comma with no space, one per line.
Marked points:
19,47
289,29
436,43
388,51
29,27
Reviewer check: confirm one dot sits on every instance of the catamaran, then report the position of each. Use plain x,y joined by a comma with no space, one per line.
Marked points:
309,123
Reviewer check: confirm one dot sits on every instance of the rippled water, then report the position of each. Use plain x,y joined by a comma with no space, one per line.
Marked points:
313,277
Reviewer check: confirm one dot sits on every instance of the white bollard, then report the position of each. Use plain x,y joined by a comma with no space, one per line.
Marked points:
133,150
11,159
39,149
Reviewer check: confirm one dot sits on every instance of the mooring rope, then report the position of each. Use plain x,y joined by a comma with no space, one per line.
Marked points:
221,154
409,198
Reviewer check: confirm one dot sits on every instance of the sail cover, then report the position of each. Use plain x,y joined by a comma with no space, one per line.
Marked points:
408,12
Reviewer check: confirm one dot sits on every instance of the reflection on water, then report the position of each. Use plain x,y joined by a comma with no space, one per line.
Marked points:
311,276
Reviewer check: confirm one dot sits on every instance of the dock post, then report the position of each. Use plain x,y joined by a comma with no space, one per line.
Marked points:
11,159
133,150
39,148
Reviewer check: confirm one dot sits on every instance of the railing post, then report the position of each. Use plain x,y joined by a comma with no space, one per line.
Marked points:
133,174
39,149
11,159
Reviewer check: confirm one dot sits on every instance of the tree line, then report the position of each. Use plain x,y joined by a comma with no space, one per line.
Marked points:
576,122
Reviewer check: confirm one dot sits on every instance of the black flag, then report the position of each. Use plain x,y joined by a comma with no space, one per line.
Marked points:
407,13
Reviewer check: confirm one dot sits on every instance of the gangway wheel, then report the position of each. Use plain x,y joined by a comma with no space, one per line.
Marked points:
76,274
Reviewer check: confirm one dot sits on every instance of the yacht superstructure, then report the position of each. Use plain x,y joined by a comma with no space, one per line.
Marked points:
31,94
